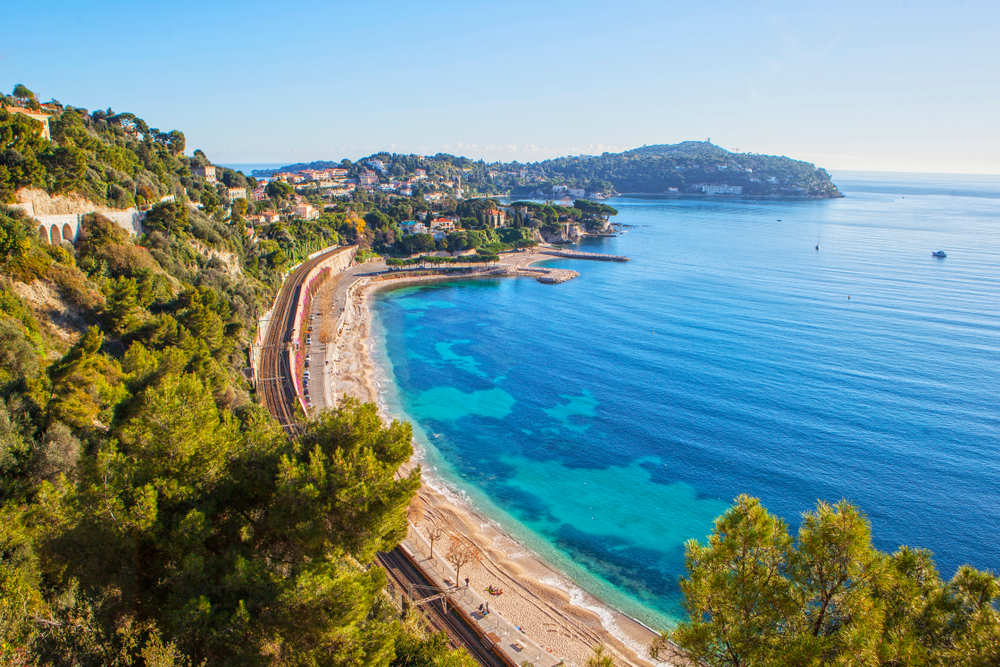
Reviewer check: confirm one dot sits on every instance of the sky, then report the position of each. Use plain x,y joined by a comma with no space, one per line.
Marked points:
884,85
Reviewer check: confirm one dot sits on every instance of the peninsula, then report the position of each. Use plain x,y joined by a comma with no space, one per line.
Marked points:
690,168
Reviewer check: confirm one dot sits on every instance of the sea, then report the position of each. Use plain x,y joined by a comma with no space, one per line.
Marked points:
606,421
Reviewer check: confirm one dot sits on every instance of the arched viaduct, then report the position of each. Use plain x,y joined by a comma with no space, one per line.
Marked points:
66,227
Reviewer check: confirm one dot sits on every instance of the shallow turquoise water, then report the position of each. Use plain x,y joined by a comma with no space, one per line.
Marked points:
607,420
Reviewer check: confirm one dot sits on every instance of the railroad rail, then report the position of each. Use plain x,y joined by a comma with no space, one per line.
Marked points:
276,386
454,622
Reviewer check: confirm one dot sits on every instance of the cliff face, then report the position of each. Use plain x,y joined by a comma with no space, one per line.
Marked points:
36,202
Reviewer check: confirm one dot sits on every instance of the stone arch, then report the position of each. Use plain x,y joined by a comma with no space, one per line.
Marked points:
54,236
67,233
43,234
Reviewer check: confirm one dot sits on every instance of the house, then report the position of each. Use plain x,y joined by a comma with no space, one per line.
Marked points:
413,227
376,164
420,173
306,211
577,192
207,172
443,224
259,194
271,217
40,116
494,218
236,193
367,177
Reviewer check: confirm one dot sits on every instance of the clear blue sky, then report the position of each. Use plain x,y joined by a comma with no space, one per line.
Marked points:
877,85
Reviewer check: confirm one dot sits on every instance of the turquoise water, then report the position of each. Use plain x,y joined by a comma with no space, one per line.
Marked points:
607,420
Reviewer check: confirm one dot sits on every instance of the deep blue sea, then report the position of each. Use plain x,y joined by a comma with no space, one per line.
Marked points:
605,421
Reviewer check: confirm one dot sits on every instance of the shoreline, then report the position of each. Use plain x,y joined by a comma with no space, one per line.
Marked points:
550,607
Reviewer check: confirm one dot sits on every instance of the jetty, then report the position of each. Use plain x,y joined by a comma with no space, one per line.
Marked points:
577,254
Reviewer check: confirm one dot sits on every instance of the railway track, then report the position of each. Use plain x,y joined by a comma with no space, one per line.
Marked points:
461,630
275,384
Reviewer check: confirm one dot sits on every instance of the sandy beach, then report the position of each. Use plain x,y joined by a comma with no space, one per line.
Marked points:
551,610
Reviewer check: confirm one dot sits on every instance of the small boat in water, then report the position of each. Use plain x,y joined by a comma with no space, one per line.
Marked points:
939,253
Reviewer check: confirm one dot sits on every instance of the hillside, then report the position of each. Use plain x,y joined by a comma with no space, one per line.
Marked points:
151,510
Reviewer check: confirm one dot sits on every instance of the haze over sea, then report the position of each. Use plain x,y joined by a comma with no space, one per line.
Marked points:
607,420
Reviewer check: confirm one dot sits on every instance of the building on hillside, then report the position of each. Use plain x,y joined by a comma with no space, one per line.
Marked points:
207,172
443,224
420,173
306,211
40,116
495,218
259,194
376,164
579,193
367,177
271,217
236,193
413,227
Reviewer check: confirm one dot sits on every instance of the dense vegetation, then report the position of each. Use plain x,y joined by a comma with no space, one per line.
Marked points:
656,169
756,596
152,512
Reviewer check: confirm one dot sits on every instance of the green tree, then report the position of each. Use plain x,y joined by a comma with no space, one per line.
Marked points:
22,93
15,236
833,570
168,217
279,191
736,594
84,384
123,310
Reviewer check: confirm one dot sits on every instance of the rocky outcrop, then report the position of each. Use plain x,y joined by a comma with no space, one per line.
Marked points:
229,260
569,232
60,318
